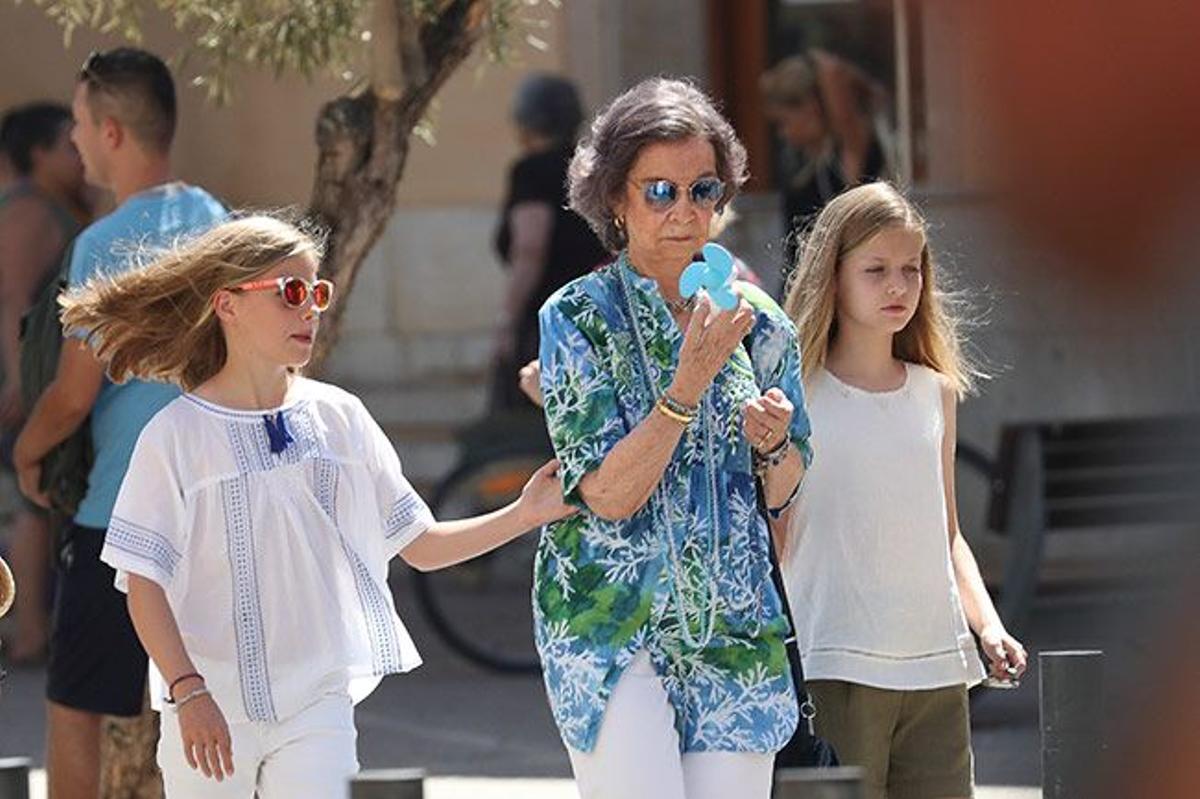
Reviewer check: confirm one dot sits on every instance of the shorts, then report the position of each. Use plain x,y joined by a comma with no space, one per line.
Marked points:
97,664
910,744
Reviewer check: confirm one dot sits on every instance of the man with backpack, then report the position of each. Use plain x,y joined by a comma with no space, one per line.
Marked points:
124,111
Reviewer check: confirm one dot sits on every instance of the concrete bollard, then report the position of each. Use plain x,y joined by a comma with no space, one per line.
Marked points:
14,778
390,783
843,782
1071,699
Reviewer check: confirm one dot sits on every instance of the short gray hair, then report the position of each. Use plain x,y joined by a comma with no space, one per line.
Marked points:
658,109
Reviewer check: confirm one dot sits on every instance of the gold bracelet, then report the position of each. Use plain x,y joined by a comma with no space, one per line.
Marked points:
674,416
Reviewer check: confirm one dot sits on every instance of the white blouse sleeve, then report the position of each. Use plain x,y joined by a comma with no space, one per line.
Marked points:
148,531
405,515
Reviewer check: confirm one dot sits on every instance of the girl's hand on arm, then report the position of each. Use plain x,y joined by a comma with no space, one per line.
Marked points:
529,379
446,543
541,499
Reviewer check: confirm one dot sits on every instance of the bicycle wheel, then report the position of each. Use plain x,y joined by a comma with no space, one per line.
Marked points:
481,608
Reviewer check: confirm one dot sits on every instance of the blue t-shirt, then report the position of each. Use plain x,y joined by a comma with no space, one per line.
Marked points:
151,219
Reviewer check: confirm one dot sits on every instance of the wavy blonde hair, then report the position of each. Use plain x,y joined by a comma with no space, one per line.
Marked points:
932,338
157,322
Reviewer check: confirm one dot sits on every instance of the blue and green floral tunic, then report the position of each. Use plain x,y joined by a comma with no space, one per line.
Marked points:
687,576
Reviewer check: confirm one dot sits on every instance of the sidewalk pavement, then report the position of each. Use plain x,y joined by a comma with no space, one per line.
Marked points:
482,735
547,788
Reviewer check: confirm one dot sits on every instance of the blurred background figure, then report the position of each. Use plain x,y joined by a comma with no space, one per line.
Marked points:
41,210
827,113
542,243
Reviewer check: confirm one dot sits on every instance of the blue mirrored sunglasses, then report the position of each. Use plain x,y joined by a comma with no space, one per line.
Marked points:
662,194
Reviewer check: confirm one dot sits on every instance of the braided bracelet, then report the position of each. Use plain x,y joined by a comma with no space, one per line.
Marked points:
179,679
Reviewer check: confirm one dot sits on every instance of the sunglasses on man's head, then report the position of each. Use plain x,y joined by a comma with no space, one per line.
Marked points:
295,291
662,194
94,67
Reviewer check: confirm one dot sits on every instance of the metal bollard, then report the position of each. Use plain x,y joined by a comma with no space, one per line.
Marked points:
389,783
14,778
843,782
1071,699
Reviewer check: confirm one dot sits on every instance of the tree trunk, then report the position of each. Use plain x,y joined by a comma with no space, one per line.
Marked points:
128,767
363,141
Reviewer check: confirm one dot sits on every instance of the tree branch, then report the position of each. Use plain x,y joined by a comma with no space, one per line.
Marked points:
363,147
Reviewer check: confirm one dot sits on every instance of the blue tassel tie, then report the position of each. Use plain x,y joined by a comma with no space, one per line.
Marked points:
277,433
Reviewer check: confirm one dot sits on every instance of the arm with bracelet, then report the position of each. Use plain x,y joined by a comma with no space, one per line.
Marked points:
629,473
206,740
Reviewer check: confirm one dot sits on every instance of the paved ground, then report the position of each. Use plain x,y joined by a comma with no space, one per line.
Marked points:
467,727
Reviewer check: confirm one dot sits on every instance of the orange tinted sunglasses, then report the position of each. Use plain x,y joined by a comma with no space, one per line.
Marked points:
295,291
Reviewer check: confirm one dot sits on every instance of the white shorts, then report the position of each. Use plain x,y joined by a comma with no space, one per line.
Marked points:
637,752
308,756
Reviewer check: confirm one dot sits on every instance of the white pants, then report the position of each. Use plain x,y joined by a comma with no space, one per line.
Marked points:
637,752
308,756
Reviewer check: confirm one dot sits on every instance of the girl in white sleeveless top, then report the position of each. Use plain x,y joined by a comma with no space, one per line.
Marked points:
258,515
884,590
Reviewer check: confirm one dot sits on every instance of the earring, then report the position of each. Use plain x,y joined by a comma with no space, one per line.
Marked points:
619,222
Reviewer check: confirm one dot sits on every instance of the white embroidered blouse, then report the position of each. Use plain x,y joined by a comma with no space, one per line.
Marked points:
274,563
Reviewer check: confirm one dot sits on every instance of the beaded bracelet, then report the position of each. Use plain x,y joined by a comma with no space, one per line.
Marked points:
675,416
679,407
773,457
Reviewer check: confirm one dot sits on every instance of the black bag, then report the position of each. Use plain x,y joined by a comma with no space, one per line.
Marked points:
65,468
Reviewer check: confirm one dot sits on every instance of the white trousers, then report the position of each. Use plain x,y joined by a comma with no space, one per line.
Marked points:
637,752
308,756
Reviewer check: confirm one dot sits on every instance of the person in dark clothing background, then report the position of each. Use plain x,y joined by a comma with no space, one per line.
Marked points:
542,243
823,109
41,210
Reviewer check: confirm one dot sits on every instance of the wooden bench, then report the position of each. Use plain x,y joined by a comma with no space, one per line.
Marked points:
1132,473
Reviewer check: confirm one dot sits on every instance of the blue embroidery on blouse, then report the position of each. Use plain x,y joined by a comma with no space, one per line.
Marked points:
144,543
247,612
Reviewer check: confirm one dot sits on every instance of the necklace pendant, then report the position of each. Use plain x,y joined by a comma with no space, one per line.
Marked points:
680,306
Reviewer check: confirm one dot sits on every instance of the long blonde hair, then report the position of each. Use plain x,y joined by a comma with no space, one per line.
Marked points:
932,338
157,322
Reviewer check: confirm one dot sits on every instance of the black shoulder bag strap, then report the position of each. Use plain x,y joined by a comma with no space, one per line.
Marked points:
805,749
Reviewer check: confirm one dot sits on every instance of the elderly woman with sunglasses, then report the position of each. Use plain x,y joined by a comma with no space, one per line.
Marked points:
660,633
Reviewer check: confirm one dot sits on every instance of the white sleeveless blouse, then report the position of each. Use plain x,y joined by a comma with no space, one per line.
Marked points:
868,572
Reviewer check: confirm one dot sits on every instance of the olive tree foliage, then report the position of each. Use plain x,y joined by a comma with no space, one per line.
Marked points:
393,54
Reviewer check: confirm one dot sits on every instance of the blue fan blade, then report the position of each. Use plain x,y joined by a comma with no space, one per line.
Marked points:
724,299
720,260
692,279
